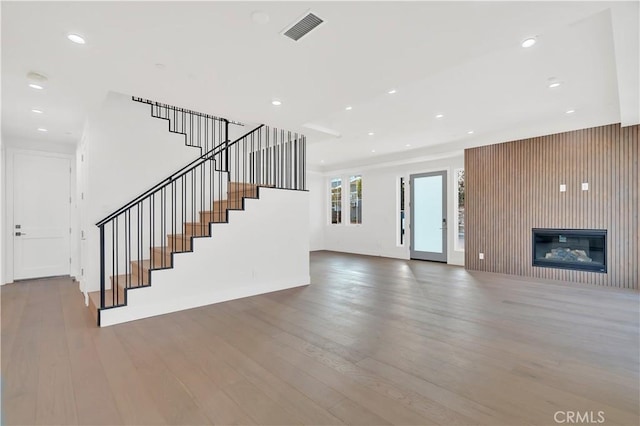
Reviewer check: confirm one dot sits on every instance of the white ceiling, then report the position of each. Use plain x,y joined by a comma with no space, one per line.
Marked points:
461,59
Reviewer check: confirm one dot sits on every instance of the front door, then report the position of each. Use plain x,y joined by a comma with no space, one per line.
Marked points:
429,216
41,188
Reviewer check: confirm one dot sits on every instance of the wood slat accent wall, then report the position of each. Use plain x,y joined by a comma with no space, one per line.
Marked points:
515,186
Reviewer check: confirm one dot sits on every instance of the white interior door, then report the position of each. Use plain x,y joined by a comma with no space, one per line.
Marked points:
41,188
429,216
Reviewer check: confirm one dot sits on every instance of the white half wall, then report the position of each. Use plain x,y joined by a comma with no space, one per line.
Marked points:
316,186
378,235
263,248
123,152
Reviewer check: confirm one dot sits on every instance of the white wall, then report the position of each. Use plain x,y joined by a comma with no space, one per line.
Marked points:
126,151
316,186
262,249
3,222
378,233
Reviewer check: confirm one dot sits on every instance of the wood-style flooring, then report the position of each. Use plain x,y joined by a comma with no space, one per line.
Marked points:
371,341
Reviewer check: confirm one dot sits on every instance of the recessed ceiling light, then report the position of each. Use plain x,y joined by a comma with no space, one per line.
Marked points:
570,111
41,129
392,91
35,86
470,132
528,42
349,108
76,38
322,161
373,150
371,133
37,111
553,82
276,102
160,66
439,115
408,145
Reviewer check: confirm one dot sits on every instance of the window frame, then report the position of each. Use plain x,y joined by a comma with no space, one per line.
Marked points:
456,210
339,201
359,200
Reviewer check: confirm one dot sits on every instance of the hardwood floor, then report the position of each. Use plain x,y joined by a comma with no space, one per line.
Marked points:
371,341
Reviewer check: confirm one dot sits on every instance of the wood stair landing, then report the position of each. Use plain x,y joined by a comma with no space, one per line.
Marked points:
238,189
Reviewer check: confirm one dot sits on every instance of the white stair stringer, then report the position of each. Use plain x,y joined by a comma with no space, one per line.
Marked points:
263,248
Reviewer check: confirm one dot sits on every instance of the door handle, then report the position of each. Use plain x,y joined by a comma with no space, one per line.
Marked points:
18,234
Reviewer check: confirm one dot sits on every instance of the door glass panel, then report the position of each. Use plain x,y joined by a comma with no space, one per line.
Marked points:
428,214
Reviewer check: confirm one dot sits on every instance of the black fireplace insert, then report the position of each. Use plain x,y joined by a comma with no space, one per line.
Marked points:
579,249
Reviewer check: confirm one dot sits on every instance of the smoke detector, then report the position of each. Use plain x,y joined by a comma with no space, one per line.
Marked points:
36,76
303,26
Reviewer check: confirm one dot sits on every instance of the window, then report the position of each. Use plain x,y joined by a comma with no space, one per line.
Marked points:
459,243
355,199
336,200
401,217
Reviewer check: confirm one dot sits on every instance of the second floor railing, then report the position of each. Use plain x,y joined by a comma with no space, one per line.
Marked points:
200,130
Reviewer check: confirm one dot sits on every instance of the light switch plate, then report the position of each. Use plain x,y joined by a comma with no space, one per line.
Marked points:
481,256
563,187
585,186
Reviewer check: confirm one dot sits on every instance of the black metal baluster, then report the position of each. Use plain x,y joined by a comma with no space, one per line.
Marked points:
267,159
138,246
184,212
237,177
126,255
163,247
114,294
245,150
151,208
102,267
193,201
202,226
199,142
206,135
173,216
288,160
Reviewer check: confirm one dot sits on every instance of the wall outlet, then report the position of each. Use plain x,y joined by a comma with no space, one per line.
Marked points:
563,187
481,256
585,186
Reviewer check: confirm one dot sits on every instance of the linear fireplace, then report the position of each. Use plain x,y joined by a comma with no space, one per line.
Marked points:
579,249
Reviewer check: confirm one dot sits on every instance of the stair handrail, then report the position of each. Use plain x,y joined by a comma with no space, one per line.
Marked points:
186,110
174,176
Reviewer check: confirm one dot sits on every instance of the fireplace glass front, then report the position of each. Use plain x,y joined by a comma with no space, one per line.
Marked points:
579,249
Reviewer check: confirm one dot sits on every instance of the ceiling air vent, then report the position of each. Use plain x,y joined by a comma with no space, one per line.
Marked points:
303,26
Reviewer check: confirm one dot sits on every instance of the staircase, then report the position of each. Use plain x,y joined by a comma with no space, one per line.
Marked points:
162,257
147,233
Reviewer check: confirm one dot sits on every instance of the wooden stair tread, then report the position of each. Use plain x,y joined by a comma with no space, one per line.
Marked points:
221,211
121,280
94,300
145,263
165,250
